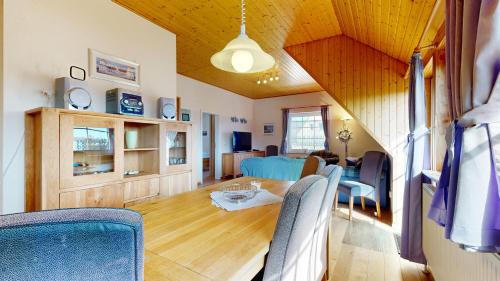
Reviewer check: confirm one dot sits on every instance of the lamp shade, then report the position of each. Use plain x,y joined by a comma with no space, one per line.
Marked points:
242,55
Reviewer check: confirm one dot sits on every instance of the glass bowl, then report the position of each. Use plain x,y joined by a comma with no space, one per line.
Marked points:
238,193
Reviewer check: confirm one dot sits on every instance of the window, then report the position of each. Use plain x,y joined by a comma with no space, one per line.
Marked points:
305,132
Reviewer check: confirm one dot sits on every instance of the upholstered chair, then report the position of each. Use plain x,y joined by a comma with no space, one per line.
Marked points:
72,244
368,185
294,254
271,150
312,166
330,158
333,174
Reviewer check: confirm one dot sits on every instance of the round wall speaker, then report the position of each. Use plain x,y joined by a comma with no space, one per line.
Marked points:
169,111
167,108
78,98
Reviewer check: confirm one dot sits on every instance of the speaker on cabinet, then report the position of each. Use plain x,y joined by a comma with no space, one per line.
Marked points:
72,92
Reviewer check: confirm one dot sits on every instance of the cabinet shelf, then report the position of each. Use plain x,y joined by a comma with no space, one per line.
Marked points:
141,149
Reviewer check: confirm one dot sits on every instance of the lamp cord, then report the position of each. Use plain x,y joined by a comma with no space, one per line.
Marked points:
243,17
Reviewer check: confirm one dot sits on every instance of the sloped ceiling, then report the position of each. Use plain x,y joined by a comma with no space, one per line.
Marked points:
203,27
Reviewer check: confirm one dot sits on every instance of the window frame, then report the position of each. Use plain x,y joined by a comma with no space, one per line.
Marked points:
315,113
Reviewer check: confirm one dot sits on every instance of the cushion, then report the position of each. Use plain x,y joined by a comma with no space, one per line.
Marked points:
354,188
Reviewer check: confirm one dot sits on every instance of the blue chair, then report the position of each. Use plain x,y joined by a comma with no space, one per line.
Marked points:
72,244
333,174
368,185
295,252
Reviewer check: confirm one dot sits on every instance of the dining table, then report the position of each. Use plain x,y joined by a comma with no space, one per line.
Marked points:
186,237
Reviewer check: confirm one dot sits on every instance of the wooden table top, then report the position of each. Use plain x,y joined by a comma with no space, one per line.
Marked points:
187,238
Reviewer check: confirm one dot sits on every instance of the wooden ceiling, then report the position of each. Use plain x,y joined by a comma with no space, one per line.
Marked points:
203,27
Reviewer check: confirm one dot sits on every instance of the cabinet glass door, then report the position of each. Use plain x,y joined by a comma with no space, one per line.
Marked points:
93,150
177,146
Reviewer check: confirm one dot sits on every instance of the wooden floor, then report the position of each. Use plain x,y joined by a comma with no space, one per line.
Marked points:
365,249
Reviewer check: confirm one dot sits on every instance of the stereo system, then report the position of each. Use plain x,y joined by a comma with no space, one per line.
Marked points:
122,101
72,93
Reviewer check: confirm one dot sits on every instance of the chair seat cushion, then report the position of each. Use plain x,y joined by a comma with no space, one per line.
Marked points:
355,188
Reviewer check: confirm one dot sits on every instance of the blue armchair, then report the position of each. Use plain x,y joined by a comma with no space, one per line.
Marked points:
72,244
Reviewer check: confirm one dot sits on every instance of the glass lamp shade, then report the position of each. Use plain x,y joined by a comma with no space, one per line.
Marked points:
242,55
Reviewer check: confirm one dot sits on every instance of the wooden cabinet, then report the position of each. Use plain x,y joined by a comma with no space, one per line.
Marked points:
175,184
109,196
176,155
141,189
231,162
90,150
81,159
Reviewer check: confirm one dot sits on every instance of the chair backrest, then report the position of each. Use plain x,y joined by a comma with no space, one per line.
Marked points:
312,165
72,244
271,150
333,174
291,255
371,168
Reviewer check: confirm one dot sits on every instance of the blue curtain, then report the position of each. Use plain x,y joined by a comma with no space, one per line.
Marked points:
284,144
467,198
418,160
324,118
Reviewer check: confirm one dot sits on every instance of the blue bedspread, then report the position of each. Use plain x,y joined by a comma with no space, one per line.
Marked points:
274,167
289,169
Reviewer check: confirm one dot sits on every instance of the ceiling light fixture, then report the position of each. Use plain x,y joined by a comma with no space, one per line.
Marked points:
242,54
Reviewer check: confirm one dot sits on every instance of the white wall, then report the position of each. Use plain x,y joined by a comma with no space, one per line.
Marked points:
269,111
42,39
201,97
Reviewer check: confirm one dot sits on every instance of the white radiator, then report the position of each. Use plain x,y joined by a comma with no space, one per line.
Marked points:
446,260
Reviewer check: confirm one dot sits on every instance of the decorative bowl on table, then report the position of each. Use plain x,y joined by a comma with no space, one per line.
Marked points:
238,192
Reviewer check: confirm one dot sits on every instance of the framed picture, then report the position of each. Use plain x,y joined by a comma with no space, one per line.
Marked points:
107,67
269,129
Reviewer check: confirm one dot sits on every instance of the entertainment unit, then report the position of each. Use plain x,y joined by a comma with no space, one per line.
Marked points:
78,159
231,162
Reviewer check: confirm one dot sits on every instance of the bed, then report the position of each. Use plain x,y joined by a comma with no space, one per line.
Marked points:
289,169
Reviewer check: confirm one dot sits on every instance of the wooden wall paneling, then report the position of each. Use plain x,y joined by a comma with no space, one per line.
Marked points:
363,69
378,88
386,95
440,112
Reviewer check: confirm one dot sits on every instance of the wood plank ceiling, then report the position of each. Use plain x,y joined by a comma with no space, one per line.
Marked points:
203,27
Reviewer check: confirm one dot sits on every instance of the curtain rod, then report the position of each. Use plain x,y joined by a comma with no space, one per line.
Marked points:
299,107
431,46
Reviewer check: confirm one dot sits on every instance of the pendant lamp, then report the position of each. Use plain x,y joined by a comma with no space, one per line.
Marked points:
242,54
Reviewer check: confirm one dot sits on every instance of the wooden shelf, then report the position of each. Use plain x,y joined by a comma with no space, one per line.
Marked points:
141,149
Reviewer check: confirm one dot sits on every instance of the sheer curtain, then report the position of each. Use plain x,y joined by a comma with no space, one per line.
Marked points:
284,143
324,118
467,200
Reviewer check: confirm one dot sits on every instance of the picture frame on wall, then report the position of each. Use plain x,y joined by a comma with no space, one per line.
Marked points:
114,69
269,129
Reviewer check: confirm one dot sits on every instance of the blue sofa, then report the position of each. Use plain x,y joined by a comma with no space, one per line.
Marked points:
289,169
